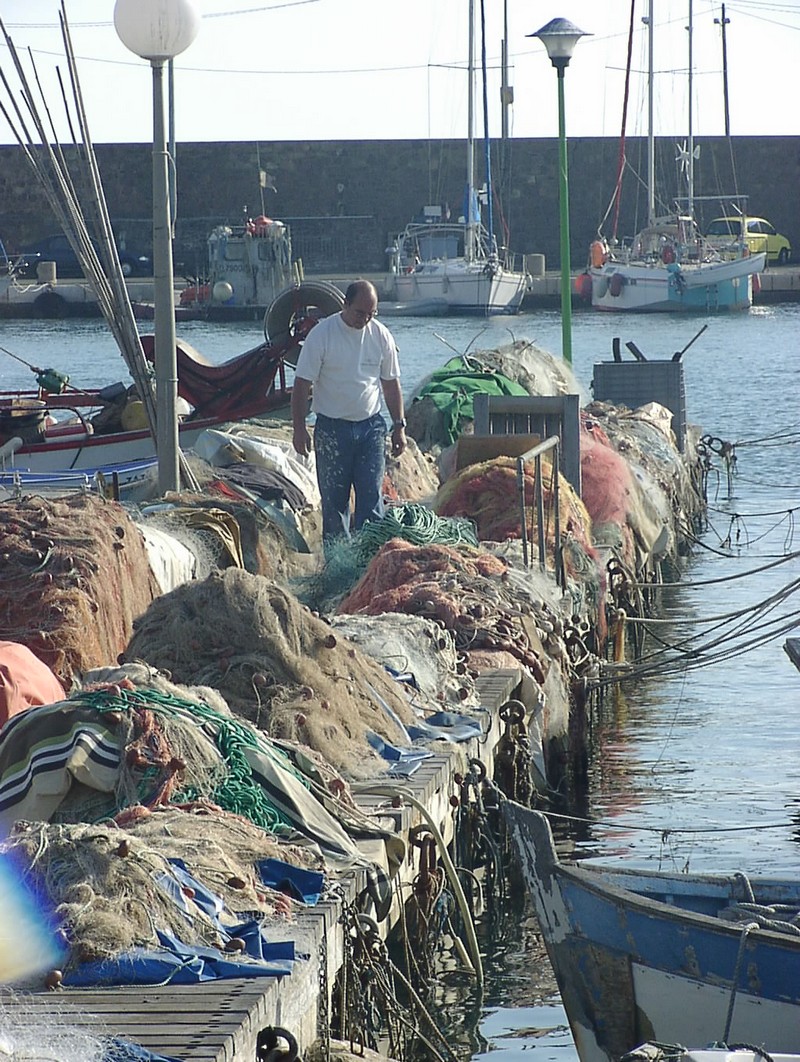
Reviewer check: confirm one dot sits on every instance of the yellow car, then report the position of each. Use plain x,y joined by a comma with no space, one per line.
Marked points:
759,236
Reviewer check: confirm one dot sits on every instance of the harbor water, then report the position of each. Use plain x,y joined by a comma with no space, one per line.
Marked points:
695,763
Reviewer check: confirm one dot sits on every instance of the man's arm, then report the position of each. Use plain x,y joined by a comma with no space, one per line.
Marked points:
393,396
301,392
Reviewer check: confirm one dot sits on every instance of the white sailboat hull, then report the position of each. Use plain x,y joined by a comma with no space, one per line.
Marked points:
657,288
465,287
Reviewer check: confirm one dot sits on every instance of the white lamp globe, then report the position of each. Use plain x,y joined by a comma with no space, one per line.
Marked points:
156,29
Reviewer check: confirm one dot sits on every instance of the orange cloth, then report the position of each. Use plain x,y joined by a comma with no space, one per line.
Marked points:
24,681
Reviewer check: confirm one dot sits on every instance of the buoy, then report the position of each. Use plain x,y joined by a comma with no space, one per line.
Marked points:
222,291
583,286
615,285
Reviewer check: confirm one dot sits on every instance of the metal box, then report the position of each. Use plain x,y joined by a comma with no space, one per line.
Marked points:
635,383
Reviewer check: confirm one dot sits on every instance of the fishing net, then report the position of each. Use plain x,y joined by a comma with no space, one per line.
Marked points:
29,1032
347,556
74,574
412,646
111,888
664,492
275,664
411,477
471,594
489,494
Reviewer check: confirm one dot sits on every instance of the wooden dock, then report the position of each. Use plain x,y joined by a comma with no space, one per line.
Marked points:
219,1020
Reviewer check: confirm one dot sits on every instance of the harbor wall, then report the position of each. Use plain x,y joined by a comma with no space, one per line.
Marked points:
345,200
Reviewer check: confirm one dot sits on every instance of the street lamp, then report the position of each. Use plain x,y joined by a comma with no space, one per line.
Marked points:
559,37
158,30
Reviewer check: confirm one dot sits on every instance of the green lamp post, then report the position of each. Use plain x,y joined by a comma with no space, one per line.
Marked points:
559,37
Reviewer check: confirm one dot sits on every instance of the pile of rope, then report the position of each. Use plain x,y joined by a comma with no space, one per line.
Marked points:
275,664
471,594
181,751
73,575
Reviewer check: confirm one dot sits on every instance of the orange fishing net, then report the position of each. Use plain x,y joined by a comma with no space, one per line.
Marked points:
488,493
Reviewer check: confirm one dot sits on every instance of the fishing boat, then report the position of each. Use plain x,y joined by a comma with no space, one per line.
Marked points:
458,266
58,429
248,266
668,267
673,958
658,1052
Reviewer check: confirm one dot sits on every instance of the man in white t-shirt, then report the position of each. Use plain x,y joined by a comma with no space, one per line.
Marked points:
347,362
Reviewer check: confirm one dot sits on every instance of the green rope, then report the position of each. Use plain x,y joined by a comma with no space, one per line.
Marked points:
237,792
346,558
416,524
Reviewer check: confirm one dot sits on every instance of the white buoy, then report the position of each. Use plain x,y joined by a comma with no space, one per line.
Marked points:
222,291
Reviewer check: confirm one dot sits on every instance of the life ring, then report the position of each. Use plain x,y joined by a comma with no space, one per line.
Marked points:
598,254
668,254
616,284
293,305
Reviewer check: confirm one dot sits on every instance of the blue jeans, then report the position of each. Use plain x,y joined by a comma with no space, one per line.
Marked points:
349,454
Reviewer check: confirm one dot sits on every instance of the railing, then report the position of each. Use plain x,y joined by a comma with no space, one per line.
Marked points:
535,454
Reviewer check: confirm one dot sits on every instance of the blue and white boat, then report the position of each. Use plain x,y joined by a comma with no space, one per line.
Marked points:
672,958
669,267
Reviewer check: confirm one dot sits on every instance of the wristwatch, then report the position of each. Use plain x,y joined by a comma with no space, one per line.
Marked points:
399,424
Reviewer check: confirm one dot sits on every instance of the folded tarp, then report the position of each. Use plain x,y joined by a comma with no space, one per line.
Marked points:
453,388
300,884
182,964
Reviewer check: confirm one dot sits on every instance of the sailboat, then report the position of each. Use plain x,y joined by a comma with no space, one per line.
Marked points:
442,266
669,267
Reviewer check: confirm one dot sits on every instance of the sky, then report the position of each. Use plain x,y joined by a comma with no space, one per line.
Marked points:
396,69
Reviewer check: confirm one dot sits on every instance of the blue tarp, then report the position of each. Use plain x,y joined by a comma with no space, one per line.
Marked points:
300,884
183,964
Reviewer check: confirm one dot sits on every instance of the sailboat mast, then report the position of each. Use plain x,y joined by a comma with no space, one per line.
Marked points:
690,168
469,247
651,143
487,143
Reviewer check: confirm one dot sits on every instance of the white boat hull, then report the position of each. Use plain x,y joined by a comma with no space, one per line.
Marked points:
643,287
463,287
123,452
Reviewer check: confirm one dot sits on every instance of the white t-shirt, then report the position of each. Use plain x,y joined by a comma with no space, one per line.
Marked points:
345,366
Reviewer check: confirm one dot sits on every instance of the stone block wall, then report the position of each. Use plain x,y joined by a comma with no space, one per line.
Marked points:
346,199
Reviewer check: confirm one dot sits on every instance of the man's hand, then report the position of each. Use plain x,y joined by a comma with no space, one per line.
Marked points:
301,441
399,441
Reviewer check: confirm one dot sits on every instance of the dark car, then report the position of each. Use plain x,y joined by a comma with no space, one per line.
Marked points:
57,249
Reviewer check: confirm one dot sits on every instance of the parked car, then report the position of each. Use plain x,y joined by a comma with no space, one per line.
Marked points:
57,249
759,236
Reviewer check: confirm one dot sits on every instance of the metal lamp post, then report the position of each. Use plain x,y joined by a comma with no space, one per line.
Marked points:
158,30
559,37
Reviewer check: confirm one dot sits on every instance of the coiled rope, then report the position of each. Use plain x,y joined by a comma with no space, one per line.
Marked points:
418,525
